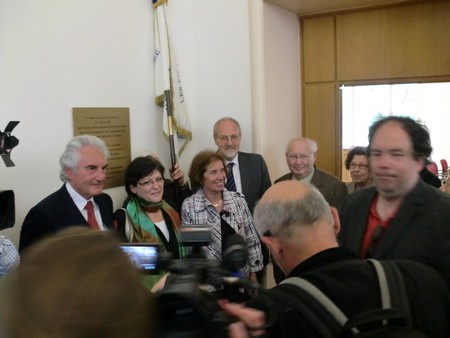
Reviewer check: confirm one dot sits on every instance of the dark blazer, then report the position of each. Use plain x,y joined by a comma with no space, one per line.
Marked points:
58,211
353,286
420,230
332,189
255,178
429,178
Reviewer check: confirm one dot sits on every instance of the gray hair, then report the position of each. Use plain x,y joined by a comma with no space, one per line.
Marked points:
280,218
312,144
227,118
71,155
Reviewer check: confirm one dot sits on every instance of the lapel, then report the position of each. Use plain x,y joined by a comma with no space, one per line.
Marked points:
105,210
359,220
403,220
69,211
71,215
317,179
245,171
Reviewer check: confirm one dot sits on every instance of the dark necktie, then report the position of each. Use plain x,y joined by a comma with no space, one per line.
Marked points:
231,185
92,221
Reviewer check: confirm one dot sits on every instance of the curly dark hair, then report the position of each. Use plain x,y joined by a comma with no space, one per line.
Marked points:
199,164
355,151
139,168
418,133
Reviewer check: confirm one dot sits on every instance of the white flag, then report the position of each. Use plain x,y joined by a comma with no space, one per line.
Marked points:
167,77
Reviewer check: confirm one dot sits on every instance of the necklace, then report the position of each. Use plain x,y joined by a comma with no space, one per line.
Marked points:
217,204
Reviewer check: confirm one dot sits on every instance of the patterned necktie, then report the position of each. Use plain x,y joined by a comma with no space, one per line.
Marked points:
92,221
231,185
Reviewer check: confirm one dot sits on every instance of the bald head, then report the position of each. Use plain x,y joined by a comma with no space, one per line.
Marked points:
285,191
288,205
295,222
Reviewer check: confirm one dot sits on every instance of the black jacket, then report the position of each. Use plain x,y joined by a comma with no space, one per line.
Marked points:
58,211
420,230
352,285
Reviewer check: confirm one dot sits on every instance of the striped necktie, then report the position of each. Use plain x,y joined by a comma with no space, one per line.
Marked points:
92,221
231,185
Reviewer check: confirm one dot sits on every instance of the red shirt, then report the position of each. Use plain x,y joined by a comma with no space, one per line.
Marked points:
373,223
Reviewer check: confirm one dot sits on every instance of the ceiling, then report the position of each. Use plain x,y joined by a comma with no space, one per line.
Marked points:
307,7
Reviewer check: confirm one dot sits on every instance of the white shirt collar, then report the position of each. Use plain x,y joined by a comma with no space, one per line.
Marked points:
234,160
79,200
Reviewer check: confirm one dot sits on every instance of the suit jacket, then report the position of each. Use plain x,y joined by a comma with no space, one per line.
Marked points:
429,178
420,230
332,189
353,286
255,178
58,211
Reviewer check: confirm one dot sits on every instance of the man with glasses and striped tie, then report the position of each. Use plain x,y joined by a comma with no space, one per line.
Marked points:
247,172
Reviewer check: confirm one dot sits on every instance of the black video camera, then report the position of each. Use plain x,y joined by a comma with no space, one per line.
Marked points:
185,306
7,209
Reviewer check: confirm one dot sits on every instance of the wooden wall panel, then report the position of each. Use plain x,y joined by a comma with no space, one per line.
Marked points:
394,42
320,123
318,40
410,41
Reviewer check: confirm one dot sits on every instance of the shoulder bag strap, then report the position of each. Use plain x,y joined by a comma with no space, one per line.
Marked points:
320,298
396,288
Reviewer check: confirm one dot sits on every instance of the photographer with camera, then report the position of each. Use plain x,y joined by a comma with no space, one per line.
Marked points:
300,228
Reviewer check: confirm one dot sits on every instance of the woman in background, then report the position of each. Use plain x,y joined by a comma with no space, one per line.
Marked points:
226,212
357,162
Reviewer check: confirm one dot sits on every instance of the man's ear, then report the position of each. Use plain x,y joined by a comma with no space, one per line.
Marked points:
274,246
336,221
69,173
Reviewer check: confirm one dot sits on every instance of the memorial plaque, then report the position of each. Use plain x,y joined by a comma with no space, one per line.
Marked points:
112,125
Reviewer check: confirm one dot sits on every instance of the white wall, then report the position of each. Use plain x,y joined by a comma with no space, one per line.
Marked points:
59,54
282,82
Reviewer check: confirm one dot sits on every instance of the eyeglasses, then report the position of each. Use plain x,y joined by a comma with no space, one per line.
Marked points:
233,138
361,166
148,183
299,157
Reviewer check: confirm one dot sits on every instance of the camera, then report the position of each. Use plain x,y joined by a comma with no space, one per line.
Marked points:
7,143
186,305
7,209
144,256
7,206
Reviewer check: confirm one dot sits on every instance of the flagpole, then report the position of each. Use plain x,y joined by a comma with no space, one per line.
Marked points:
173,154
169,94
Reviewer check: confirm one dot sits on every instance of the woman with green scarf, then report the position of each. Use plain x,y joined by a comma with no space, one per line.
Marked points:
149,218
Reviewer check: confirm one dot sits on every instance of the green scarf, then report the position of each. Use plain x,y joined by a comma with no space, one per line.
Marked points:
145,229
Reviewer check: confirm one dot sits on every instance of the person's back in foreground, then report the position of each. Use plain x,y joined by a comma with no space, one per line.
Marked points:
78,284
300,231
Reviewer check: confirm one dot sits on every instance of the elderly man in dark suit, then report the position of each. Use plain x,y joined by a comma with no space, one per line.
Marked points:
248,173
301,155
401,216
80,201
